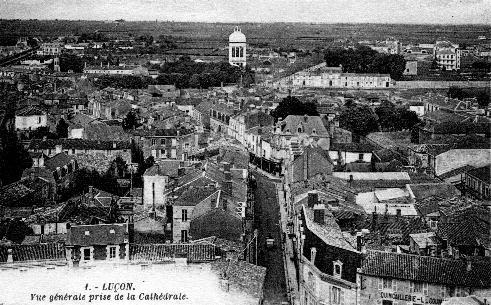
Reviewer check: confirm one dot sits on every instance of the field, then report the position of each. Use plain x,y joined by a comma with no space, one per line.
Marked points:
215,35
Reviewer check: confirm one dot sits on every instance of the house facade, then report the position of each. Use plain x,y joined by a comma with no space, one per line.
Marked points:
87,244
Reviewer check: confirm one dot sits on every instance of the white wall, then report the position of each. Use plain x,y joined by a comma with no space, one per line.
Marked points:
32,122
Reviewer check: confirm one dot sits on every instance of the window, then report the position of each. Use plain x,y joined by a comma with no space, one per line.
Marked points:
162,141
184,215
87,233
360,156
184,236
336,295
154,141
314,131
387,283
39,120
299,129
338,268
112,231
86,254
311,281
443,291
112,252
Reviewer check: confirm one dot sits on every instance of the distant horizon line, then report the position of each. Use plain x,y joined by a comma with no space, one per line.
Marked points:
247,22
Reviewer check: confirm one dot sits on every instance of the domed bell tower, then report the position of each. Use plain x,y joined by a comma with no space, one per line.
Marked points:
237,48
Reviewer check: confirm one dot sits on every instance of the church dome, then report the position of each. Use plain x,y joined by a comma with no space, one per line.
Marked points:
237,36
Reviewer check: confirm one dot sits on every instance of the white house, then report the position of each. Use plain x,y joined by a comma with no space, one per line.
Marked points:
30,118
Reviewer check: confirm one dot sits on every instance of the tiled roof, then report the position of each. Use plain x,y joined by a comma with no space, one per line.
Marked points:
13,193
97,235
352,147
426,269
30,111
78,144
468,226
242,276
58,160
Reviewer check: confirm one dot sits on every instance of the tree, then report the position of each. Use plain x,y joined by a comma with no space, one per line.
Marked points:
293,106
130,121
387,116
358,119
62,129
483,99
406,119
14,230
14,158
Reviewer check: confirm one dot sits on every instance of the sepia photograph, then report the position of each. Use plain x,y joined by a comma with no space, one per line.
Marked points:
247,152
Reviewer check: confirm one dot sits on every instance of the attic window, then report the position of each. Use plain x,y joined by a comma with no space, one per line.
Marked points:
299,129
87,233
338,268
112,231
314,131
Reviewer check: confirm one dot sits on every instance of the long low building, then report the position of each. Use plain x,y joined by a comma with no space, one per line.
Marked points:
333,77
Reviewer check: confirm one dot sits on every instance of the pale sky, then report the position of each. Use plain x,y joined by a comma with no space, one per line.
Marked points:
325,11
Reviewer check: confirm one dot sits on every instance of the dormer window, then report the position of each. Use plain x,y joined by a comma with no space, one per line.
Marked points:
314,131
112,231
87,233
299,129
338,268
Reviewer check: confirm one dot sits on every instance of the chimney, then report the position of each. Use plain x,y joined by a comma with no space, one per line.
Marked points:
374,221
313,252
360,241
320,213
312,199
10,258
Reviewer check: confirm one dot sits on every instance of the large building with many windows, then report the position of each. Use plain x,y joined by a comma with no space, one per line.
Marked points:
447,55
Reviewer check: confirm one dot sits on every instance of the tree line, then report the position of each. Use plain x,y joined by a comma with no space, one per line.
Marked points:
363,59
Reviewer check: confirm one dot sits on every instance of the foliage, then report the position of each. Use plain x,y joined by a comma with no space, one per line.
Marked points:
482,95
186,73
391,118
358,119
70,62
365,60
14,230
118,167
130,121
14,158
293,106
95,36
123,81
62,129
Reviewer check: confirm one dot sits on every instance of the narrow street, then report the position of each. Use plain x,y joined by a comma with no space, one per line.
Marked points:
267,223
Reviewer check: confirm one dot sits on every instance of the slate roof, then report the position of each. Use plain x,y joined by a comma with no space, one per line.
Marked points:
426,269
194,195
330,232
425,190
482,173
308,124
98,235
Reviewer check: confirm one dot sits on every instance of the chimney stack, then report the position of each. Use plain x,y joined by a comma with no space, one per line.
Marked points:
320,213
374,221
312,199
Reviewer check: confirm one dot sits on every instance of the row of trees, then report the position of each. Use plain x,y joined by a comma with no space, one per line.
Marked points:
365,60
482,96
186,73
357,118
